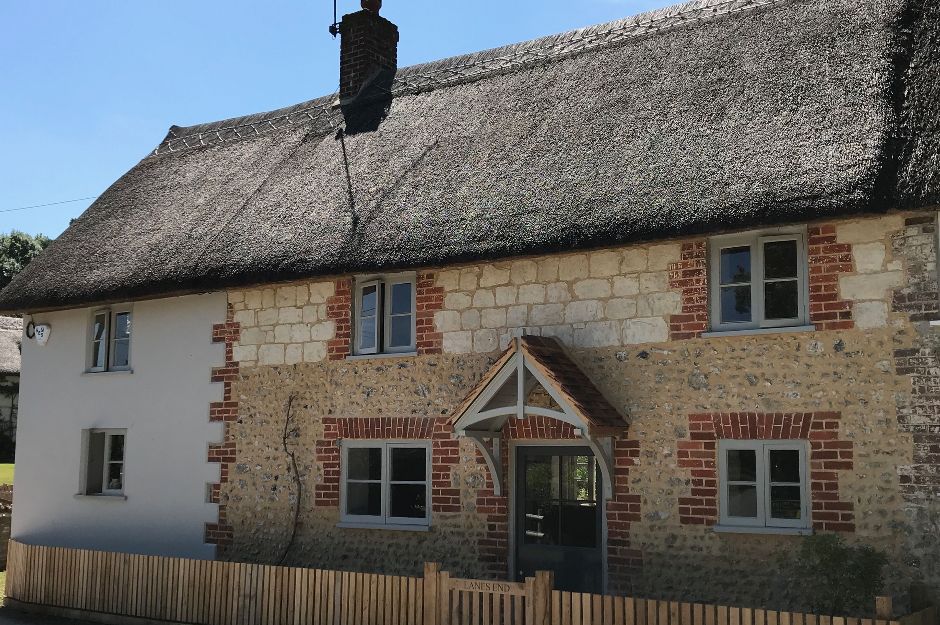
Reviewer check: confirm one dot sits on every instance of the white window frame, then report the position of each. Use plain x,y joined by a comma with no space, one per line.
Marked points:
385,520
383,324
762,449
357,315
109,339
105,340
755,241
105,462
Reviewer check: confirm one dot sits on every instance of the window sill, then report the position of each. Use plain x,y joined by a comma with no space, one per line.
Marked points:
753,331
102,497
108,373
382,356
380,526
781,531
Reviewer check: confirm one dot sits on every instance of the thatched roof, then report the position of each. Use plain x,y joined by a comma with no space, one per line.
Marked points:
712,115
11,332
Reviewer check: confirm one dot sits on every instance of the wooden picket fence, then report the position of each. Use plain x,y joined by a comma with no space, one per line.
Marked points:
117,587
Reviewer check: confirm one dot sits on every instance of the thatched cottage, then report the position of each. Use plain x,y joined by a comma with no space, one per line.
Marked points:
643,303
11,330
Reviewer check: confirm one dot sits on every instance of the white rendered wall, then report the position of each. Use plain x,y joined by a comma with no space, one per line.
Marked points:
163,404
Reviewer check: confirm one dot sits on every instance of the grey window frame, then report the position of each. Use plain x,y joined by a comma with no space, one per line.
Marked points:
383,332
86,461
104,342
385,520
108,339
762,449
756,241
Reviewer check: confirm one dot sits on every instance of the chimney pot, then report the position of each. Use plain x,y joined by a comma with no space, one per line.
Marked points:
372,5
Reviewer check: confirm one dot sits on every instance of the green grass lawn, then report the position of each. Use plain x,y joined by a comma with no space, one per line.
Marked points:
6,473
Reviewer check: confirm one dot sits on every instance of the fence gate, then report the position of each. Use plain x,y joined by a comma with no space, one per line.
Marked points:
479,602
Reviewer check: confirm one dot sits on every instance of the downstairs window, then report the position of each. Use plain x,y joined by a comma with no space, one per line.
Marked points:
103,466
763,484
385,483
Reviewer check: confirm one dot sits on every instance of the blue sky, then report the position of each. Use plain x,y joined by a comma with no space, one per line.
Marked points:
88,88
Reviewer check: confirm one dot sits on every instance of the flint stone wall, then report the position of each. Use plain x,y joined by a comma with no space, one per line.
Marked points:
611,308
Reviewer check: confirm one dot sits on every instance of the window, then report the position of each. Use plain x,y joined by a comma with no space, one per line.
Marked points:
763,484
385,483
103,466
110,341
758,281
385,315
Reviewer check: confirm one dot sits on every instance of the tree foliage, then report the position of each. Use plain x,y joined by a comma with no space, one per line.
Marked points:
16,250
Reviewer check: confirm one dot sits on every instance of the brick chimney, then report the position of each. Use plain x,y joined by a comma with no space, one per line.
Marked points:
369,48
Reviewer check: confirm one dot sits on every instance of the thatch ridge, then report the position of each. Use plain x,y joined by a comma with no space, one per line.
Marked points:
322,114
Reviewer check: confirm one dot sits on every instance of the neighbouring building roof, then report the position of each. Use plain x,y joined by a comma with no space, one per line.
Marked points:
715,114
11,332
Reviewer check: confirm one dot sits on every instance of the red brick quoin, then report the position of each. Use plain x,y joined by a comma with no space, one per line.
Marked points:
690,276
429,299
828,456
226,412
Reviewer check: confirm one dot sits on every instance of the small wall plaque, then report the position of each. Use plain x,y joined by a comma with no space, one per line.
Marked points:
42,332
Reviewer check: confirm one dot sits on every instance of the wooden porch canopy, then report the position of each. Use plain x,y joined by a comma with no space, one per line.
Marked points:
504,392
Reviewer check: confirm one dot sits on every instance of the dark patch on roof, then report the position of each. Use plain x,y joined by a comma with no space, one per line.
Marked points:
11,332
711,115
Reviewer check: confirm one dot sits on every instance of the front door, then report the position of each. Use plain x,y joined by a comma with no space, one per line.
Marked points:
558,516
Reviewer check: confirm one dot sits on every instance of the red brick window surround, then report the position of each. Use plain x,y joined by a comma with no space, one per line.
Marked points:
827,261
690,276
429,298
339,309
827,458
445,453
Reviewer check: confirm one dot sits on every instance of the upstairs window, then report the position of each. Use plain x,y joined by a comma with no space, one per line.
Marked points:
103,470
385,315
110,348
763,484
385,483
758,281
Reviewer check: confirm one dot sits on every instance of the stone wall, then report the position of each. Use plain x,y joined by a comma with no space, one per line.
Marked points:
632,319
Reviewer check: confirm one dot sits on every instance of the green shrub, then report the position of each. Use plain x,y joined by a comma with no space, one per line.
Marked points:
834,577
